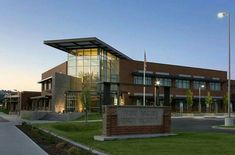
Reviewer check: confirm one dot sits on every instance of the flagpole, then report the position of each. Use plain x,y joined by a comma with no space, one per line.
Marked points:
144,78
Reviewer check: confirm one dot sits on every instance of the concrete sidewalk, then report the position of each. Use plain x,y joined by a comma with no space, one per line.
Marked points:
15,142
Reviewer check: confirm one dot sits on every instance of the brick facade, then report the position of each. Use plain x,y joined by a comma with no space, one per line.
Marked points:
111,127
62,68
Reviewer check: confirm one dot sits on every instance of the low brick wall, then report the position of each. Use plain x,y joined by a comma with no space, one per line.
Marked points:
124,120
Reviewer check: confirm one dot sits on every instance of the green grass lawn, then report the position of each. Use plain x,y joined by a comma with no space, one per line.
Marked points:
91,116
184,143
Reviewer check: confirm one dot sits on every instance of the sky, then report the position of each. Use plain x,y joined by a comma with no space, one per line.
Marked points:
180,32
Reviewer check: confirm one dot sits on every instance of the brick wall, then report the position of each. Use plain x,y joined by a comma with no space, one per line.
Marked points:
62,68
26,103
127,67
111,127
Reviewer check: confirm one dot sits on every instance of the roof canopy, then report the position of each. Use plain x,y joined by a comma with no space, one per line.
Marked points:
48,78
83,43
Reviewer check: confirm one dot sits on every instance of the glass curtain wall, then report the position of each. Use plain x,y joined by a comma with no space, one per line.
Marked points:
94,66
109,72
84,64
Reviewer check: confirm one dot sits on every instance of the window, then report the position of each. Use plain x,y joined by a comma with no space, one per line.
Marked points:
42,86
45,86
139,80
197,84
182,84
215,86
165,82
49,85
148,80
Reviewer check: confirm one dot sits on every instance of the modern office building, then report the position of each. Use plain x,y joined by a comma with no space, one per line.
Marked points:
17,101
97,66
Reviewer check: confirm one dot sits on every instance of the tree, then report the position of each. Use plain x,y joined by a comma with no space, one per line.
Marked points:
189,98
225,100
208,101
85,95
85,98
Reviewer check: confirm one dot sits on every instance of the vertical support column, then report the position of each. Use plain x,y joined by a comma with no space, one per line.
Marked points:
44,104
32,108
106,95
167,96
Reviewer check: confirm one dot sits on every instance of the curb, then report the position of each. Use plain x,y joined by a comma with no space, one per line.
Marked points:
75,143
222,128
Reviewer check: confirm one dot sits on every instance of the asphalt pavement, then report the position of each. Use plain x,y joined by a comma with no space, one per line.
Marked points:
198,124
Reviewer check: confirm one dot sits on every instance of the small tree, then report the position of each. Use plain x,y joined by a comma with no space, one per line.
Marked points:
85,95
208,101
85,98
225,100
189,98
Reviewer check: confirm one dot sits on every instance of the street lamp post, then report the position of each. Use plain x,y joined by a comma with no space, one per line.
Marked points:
199,97
228,120
18,101
156,84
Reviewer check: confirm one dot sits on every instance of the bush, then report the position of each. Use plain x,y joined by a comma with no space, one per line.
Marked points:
60,145
73,151
4,111
24,123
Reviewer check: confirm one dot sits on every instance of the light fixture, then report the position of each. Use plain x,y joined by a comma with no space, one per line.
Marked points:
157,83
222,14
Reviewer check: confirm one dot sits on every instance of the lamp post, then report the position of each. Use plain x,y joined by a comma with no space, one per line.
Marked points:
228,120
156,84
18,101
199,97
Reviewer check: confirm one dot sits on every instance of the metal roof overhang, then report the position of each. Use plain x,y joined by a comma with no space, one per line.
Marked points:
84,43
48,78
40,97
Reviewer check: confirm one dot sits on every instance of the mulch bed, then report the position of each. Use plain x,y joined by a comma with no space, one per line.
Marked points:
51,144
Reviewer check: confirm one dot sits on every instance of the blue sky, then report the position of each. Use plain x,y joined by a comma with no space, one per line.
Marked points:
182,32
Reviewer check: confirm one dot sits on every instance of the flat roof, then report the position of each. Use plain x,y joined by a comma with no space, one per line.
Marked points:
84,43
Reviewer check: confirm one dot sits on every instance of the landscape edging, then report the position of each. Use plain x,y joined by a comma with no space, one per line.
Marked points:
74,143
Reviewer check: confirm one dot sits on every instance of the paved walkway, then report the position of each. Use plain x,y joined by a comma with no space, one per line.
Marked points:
13,141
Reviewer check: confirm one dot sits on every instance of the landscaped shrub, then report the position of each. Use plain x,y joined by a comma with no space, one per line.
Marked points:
60,145
73,151
4,111
24,123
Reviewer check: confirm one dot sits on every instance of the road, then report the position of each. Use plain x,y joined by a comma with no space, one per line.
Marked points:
198,125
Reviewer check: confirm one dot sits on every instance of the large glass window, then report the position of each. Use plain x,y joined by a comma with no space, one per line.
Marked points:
93,66
165,82
71,102
182,84
198,84
81,60
139,80
109,65
215,86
